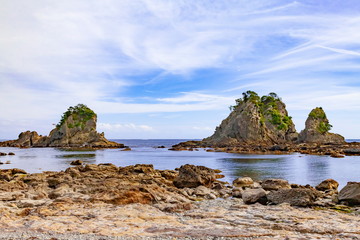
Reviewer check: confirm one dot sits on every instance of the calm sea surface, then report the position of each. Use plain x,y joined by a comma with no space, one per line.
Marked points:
296,168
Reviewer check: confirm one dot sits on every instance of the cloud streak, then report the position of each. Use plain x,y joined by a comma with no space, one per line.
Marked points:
150,56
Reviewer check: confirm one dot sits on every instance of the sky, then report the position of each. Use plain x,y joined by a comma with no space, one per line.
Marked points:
171,69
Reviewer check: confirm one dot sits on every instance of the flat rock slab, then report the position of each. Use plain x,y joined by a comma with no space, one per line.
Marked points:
208,219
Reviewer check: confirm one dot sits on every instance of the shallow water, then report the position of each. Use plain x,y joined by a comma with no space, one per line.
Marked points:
296,168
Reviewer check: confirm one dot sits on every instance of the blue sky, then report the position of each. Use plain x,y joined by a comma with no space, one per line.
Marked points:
170,69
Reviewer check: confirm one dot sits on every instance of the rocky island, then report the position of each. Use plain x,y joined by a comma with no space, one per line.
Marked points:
262,125
76,129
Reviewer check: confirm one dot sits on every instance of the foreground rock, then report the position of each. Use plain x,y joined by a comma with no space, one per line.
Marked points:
77,128
295,197
139,201
212,219
193,176
350,194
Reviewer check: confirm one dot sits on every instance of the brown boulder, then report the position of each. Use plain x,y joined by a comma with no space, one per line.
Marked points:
193,176
251,196
350,194
275,184
328,184
243,182
301,197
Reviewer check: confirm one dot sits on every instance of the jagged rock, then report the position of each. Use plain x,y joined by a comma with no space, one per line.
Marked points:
193,176
352,151
76,162
255,120
328,184
350,194
251,196
77,128
336,155
126,149
243,182
302,197
275,184
202,191
317,128
237,192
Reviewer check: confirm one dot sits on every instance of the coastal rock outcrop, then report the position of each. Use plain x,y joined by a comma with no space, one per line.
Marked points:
350,194
261,125
302,197
255,120
193,176
77,128
317,129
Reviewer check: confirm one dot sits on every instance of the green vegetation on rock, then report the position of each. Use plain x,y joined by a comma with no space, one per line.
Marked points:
80,113
317,113
268,108
324,126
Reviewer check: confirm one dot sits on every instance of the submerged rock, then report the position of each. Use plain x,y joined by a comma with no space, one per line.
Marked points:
76,162
317,129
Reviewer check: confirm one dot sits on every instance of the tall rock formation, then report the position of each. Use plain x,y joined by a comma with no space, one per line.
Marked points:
77,128
255,120
317,129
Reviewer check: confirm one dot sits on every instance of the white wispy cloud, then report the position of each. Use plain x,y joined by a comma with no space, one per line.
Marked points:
203,128
60,53
124,127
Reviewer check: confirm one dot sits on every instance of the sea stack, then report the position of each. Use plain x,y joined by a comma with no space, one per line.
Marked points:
317,129
77,128
255,120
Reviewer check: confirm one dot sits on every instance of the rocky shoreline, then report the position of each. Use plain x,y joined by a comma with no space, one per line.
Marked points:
139,202
333,150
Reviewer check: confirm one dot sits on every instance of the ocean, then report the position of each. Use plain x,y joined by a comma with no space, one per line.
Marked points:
296,168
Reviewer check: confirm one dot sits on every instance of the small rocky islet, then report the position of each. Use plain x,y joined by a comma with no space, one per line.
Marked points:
76,129
106,201
261,125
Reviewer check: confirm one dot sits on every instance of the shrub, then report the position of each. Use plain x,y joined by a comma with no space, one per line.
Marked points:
81,114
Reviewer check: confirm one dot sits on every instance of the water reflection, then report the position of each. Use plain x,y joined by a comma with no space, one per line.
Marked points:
296,168
76,155
256,168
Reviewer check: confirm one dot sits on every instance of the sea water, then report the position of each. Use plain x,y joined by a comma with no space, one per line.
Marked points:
296,168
